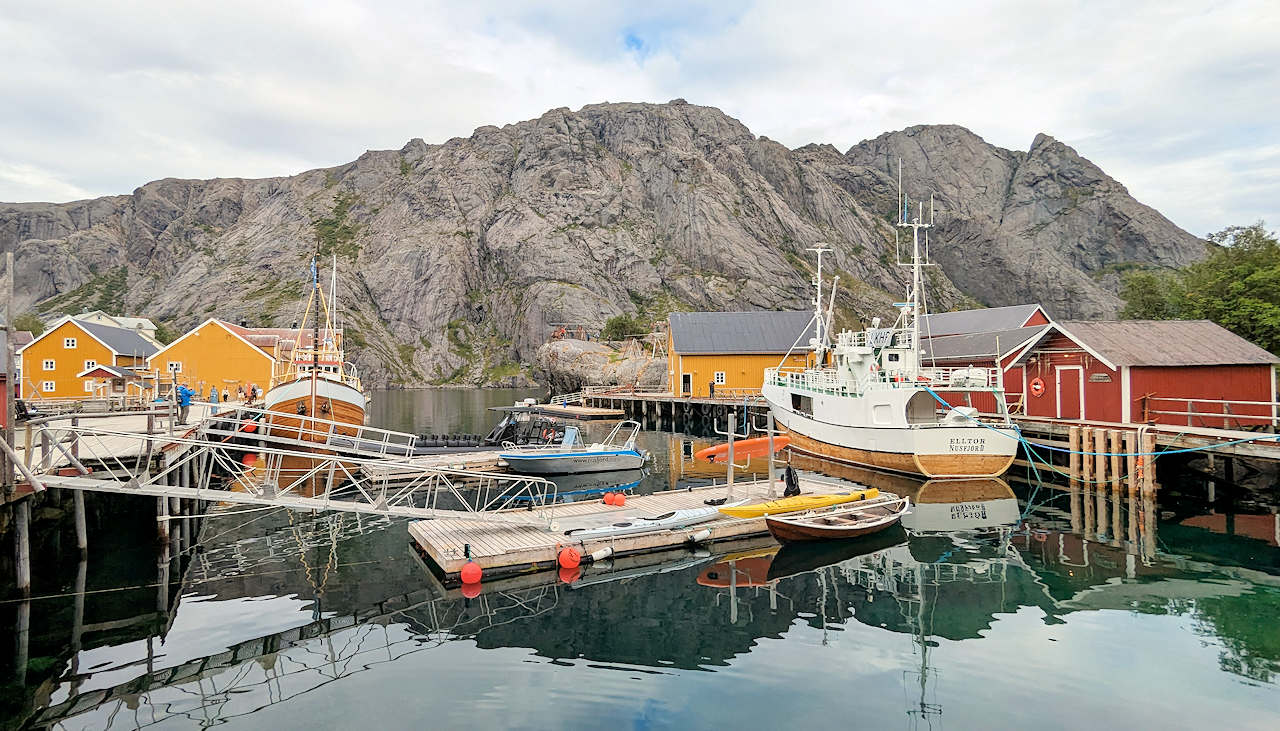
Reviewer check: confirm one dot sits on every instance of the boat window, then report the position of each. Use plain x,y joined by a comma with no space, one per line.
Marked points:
894,357
801,404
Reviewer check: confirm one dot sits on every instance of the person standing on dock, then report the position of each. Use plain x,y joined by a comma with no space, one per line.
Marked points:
184,402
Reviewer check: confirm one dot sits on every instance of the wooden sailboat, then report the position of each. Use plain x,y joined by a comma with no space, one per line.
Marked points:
315,393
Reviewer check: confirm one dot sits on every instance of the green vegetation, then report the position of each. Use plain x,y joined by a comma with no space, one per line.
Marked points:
1238,287
29,321
165,334
354,337
405,168
622,326
334,234
103,292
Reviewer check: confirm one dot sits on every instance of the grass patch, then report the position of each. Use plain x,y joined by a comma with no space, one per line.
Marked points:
334,233
103,292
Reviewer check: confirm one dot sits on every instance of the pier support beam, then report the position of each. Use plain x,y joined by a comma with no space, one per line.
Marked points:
162,520
1073,470
22,544
1086,475
82,528
1113,441
1100,479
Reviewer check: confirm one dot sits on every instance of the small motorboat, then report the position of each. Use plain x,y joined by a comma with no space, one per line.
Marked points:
844,521
571,456
798,503
630,525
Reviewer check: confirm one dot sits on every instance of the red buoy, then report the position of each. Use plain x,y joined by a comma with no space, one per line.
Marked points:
250,426
620,499
569,576
569,558
249,459
471,591
471,573
608,498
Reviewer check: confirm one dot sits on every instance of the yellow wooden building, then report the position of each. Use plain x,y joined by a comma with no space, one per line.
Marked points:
727,352
216,354
53,364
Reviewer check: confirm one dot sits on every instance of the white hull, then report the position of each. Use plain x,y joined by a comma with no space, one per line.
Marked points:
572,464
326,390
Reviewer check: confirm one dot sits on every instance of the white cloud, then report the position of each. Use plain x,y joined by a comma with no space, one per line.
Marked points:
1174,99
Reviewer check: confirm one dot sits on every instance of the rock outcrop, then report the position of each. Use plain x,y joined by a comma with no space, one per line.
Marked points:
455,259
567,365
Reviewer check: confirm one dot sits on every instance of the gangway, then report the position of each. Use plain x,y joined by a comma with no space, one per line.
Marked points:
247,455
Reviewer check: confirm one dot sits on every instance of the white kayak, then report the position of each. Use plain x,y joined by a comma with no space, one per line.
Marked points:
646,524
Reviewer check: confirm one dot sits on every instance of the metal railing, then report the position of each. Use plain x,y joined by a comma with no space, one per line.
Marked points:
1212,412
831,381
305,463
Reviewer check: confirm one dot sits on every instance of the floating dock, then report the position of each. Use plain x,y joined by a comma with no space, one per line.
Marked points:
506,549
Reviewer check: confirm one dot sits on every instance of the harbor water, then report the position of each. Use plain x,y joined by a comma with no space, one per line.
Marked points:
1000,604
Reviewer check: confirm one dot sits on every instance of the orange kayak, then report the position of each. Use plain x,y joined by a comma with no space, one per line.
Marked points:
757,447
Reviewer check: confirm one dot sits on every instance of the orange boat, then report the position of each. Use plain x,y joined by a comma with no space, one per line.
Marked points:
757,447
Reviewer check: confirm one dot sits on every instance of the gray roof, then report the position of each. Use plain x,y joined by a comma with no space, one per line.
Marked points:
1166,343
740,332
989,319
979,345
119,339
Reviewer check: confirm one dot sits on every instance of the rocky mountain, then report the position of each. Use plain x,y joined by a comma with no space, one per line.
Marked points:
457,259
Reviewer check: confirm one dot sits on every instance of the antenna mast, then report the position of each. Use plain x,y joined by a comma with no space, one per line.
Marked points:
916,294
821,331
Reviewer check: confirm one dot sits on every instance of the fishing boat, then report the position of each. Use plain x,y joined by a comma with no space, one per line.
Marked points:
631,525
866,397
797,503
572,456
315,391
838,522
757,447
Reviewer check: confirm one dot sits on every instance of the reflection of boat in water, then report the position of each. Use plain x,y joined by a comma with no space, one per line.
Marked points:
572,457
748,568
943,506
590,483
799,558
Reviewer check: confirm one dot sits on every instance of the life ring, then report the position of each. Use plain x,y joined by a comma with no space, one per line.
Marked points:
1037,386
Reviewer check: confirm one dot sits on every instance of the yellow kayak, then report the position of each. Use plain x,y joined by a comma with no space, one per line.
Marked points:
797,503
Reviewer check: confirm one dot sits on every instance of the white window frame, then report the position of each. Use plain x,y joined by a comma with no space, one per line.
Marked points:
48,386
170,366
91,363
90,386
69,343
49,364
719,378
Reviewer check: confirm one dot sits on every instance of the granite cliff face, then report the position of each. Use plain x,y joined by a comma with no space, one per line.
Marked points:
456,259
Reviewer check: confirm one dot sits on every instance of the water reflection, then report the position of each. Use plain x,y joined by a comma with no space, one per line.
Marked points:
956,610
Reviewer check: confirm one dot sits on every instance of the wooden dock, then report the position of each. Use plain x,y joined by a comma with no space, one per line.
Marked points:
503,549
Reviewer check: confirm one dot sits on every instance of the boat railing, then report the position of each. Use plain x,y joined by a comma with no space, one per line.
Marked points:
832,381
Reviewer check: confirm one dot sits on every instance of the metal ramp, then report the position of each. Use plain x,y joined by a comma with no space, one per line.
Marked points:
241,456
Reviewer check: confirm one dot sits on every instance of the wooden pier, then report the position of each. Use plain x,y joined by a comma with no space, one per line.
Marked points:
505,549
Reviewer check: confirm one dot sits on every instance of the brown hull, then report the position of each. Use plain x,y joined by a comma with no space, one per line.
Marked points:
791,532
928,465
285,420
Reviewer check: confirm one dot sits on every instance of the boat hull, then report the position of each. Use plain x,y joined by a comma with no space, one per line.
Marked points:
572,464
796,529
932,451
291,405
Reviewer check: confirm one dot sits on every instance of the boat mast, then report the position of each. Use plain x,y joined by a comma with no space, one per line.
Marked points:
915,296
315,336
820,334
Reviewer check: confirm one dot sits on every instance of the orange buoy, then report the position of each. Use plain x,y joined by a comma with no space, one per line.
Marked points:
249,459
569,558
619,499
471,573
569,576
249,425
471,591
608,498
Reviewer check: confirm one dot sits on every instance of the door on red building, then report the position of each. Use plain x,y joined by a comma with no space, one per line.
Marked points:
1070,392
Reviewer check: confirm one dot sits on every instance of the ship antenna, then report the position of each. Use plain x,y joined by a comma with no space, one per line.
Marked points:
820,333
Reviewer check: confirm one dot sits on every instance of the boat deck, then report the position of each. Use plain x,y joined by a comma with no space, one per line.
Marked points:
503,549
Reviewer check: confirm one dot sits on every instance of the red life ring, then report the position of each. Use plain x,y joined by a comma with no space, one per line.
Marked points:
1037,386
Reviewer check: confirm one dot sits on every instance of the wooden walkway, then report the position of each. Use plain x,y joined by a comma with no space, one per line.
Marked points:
506,549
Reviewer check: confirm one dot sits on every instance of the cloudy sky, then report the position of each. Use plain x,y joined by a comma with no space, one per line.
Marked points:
1180,101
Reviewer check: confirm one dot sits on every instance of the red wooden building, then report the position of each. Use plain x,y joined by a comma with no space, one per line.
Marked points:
985,350
1132,370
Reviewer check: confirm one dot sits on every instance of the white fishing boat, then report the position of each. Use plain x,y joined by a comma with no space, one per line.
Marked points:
866,397
630,525
571,456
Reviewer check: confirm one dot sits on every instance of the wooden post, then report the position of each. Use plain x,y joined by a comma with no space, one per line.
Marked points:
773,472
162,520
1073,481
82,529
1086,472
1131,456
22,544
1149,473
7,478
1100,479
1113,439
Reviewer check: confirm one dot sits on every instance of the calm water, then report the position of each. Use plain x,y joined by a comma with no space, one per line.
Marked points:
1158,616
